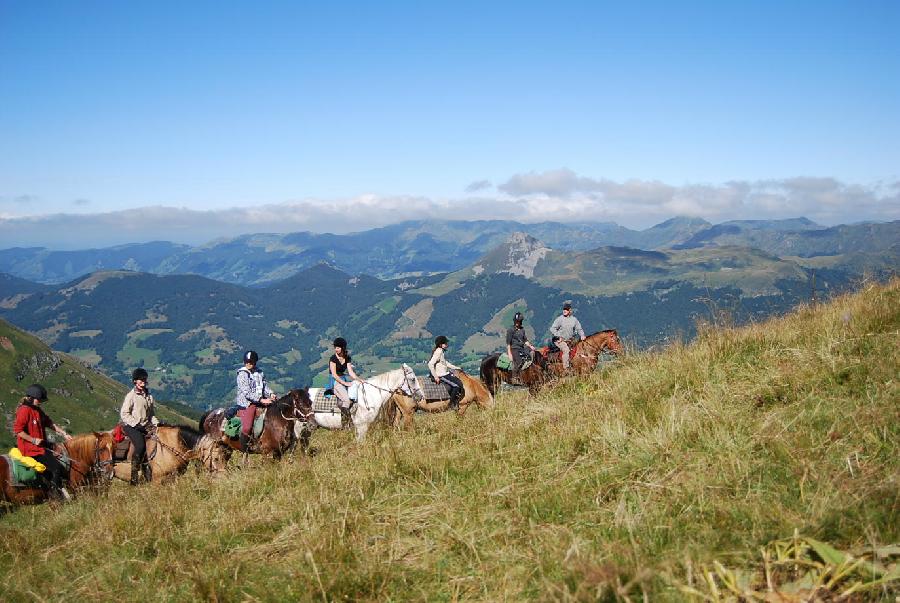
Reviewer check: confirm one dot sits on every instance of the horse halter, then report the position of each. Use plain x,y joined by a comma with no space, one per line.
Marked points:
299,415
415,394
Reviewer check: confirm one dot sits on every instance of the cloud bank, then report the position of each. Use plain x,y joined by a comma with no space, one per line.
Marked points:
557,195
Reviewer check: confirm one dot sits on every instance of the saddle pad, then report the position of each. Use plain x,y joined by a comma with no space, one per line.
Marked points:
321,402
432,390
259,422
19,474
504,363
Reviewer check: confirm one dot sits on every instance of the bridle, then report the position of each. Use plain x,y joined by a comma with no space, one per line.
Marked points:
99,468
405,387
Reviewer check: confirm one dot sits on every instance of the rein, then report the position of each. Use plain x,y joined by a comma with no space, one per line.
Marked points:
186,458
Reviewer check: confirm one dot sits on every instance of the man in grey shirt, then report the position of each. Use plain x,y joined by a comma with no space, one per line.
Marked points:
563,329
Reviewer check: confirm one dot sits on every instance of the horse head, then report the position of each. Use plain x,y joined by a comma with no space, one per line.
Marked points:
92,456
410,385
613,343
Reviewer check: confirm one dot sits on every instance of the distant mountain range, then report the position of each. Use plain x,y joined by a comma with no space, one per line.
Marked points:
190,330
426,247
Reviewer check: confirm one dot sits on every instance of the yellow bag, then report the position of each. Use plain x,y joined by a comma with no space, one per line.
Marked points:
27,460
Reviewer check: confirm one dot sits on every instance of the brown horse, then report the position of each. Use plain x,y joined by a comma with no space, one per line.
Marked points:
277,436
90,465
584,355
171,447
475,391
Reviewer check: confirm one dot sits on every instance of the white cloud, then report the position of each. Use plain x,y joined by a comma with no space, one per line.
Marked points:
558,195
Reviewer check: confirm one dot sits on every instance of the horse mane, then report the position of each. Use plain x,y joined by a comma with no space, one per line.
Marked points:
604,332
82,447
188,435
378,379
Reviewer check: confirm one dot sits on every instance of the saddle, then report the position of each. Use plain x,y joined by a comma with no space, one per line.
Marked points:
553,354
20,475
504,362
231,427
124,449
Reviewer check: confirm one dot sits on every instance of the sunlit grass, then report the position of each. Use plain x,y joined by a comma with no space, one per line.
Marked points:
629,483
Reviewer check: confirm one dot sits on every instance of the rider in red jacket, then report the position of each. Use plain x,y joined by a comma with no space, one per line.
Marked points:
29,427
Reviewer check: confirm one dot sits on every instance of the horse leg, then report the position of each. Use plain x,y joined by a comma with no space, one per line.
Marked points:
361,430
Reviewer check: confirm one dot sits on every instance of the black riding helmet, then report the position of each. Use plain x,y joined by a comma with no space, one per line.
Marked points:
440,340
340,342
37,391
518,318
139,373
251,356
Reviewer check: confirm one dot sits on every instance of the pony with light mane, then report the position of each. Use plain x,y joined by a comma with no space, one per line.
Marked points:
171,447
90,465
372,393
402,408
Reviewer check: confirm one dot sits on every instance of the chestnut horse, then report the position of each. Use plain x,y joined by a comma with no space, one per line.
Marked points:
90,456
475,391
171,447
584,355
277,436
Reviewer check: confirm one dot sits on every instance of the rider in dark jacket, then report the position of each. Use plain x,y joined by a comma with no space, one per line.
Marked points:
516,342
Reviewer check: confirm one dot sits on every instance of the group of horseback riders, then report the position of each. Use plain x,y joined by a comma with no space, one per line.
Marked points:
138,419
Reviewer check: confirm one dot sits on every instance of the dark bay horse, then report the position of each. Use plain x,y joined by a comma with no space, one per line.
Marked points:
90,457
277,436
533,377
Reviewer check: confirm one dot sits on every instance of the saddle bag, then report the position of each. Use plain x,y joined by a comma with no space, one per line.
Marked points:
232,427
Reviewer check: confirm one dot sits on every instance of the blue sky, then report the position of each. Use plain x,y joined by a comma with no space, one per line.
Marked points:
590,110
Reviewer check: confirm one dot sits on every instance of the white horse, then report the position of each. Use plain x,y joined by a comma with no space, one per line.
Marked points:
371,394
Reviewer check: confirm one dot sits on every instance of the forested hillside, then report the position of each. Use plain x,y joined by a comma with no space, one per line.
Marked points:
81,399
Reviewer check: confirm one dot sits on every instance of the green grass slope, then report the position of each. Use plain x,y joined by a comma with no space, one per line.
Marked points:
80,398
660,477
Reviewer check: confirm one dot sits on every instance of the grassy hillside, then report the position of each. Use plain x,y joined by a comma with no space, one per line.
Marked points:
659,476
81,399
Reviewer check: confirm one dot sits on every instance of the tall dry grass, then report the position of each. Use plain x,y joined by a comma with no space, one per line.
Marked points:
619,486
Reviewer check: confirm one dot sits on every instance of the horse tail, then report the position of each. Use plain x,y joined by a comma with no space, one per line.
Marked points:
388,412
488,372
202,421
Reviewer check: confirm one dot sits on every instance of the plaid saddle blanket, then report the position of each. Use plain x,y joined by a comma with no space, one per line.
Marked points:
432,390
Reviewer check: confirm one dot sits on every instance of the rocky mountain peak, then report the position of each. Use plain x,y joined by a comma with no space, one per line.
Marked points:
523,252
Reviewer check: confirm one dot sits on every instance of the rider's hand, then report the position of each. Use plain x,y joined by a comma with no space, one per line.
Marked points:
154,421
66,436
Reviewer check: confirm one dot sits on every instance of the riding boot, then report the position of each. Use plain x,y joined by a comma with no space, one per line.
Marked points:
64,494
455,397
147,471
514,378
245,441
346,418
135,473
